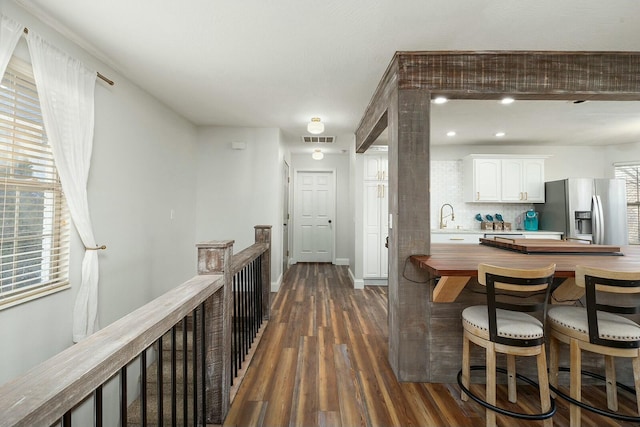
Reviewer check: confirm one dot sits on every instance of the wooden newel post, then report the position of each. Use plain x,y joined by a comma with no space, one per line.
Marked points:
263,235
215,258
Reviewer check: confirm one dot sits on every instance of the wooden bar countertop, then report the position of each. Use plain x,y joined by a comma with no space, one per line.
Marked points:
455,264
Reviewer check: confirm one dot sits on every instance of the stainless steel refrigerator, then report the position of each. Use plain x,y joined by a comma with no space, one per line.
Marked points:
586,208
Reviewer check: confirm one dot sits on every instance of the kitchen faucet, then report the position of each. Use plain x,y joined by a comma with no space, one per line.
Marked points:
443,223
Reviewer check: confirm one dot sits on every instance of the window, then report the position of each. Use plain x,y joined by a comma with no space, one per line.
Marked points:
631,174
34,232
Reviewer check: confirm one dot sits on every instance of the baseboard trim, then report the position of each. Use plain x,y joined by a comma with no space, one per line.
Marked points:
275,286
357,283
342,261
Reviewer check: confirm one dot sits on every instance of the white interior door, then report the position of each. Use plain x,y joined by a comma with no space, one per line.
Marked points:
285,218
314,207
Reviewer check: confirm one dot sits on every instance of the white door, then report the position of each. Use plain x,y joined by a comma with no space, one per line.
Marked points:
314,207
285,218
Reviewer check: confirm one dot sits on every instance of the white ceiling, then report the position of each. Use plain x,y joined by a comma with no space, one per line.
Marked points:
277,63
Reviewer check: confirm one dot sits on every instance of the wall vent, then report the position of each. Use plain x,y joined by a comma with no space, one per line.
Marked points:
318,139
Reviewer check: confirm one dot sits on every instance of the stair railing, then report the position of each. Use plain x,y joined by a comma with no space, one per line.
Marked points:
58,391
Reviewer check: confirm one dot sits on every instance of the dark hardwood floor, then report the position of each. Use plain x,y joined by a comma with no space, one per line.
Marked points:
322,361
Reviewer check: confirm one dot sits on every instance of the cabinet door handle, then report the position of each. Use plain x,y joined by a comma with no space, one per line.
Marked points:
384,175
456,238
521,198
478,195
526,195
382,191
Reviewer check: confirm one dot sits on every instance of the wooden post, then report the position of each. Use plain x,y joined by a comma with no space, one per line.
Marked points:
215,258
263,235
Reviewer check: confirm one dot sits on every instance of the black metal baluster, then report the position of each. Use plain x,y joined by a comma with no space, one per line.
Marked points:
195,367
143,389
160,387
260,286
256,320
250,300
97,398
245,313
204,365
123,396
234,330
174,418
66,419
185,370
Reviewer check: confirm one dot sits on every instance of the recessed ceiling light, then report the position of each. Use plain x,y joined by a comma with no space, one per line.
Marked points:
451,133
440,100
500,134
507,101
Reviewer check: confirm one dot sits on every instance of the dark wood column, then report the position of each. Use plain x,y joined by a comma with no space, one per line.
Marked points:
419,343
408,128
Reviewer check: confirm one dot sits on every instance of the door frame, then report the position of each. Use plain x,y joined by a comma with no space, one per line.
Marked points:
286,217
292,230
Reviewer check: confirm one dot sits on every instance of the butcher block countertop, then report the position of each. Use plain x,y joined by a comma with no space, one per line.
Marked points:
455,264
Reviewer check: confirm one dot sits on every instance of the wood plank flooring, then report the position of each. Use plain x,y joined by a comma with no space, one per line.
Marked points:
322,361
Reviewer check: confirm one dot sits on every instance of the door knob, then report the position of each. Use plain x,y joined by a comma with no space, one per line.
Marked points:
329,221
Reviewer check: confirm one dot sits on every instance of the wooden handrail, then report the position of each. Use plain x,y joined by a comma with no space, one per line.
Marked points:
51,390
46,392
247,255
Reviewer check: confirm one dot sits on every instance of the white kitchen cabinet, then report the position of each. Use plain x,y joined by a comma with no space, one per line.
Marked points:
375,216
522,180
482,180
470,238
504,179
375,167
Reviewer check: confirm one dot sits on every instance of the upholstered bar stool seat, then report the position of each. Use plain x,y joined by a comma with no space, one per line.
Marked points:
505,326
510,324
602,327
573,320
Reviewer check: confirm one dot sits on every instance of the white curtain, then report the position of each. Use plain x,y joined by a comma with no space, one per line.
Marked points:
66,90
10,32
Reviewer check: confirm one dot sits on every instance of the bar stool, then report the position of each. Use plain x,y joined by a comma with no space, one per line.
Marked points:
503,326
601,328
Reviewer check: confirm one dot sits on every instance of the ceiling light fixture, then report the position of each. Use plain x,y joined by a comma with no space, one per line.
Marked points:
440,100
317,154
507,101
451,133
500,134
315,126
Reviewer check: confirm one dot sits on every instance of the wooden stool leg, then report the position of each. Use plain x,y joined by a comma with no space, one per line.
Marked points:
543,381
491,384
511,378
636,377
612,390
554,361
465,365
576,383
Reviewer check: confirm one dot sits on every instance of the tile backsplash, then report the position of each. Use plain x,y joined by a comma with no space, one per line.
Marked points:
446,187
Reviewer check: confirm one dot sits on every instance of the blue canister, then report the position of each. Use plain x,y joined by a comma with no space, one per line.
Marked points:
531,220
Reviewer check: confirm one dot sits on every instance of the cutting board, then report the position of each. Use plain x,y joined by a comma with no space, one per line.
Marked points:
541,246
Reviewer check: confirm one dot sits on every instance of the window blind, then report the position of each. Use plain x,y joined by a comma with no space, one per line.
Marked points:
631,174
34,232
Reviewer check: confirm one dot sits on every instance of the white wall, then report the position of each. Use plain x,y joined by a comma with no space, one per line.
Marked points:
141,169
621,154
239,189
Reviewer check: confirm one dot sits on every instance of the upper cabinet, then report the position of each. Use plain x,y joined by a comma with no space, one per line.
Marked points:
375,167
504,179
